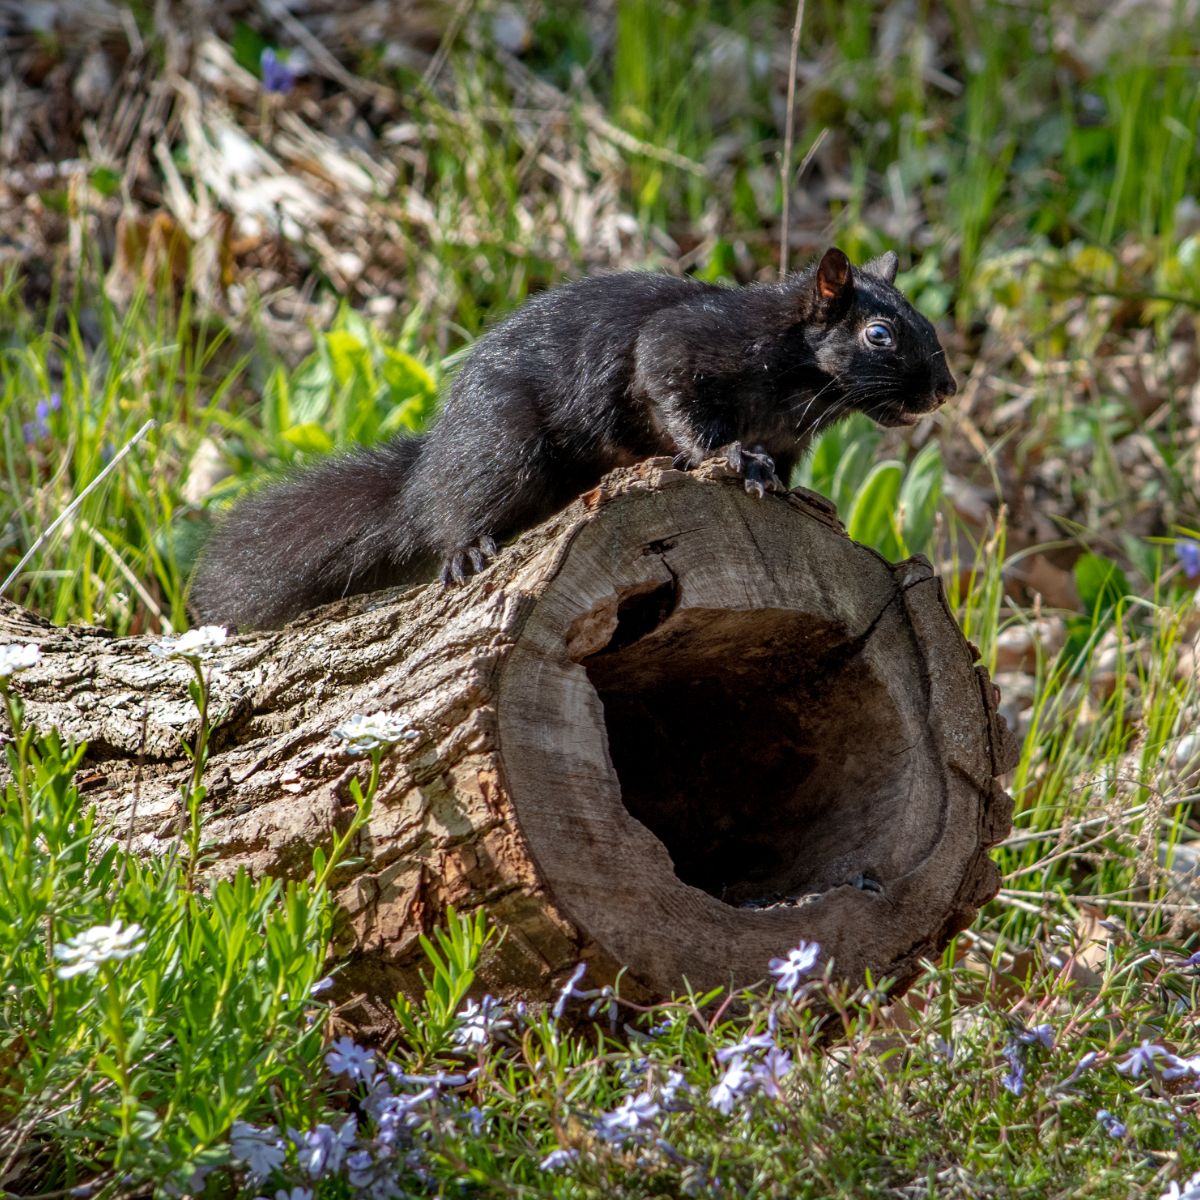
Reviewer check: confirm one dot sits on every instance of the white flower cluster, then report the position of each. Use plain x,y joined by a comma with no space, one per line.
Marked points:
87,951
15,657
196,643
361,734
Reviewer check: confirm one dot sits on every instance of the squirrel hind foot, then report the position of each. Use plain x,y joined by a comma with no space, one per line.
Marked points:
467,560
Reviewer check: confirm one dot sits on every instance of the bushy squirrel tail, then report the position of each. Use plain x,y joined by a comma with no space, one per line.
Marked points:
333,529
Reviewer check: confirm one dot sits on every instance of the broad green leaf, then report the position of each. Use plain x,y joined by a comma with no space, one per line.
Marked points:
405,376
311,390
309,437
873,514
1101,584
350,359
920,495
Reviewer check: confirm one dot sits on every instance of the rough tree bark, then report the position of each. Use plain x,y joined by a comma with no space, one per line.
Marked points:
673,729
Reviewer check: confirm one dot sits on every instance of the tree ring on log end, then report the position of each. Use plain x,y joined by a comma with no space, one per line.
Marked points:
719,740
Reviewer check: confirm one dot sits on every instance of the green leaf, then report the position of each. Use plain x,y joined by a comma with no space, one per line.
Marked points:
920,495
312,389
309,437
247,45
872,517
350,359
1101,584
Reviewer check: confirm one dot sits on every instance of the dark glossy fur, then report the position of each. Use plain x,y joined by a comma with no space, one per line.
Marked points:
586,377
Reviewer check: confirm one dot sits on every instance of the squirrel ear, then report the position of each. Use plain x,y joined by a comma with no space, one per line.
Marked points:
884,267
833,276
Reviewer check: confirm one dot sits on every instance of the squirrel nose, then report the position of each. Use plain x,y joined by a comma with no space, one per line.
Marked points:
945,388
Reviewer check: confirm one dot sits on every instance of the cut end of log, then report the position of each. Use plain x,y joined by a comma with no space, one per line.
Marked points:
722,738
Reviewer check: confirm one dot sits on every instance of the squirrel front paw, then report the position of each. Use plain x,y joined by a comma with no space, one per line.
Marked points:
467,560
756,467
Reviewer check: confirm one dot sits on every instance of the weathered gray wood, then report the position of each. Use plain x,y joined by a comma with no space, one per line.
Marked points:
674,729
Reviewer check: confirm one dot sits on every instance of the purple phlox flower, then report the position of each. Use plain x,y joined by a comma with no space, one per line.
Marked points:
732,1086
1112,1126
379,1099
480,1022
1038,1034
259,1150
1188,1191
759,1043
1014,1080
1187,550
942,1048
477,1118
606,1002
346,1057
322,1150
297,1193
322,985
436,1082
670,1091
768,1074
569,991
39,427
372,1177
360,1169
1084,1064
629,1117
630,1071
1142,1059
556,1160
791,970
277,76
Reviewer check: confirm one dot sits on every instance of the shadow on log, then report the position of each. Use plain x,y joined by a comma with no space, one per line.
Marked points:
673,729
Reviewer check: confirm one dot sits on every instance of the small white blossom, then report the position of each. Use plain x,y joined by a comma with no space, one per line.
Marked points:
480,1022
102,943
1189,1191
735,1083
799,962
15,657
196,643
365,733
1179,1068
557,1159
260,1150
569,991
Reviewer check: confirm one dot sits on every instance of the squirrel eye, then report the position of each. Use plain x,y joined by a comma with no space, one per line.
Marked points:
878,334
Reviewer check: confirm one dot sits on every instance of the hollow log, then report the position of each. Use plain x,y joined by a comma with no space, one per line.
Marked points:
675,729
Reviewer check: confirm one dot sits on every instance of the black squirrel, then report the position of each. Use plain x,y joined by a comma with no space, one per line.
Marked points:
583,378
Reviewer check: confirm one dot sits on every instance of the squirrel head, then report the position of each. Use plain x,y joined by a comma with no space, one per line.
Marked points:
882,357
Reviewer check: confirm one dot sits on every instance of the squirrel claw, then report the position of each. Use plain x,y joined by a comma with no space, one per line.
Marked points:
468,560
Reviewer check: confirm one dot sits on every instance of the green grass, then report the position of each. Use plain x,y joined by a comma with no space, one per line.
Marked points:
1036,201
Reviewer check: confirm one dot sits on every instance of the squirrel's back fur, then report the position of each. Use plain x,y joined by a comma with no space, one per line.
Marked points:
583,378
